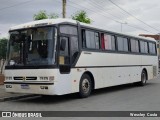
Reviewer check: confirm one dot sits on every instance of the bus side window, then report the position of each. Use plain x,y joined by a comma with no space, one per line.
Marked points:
108,42
74,48
144,47
64,52
83,39
90,39
122,44
152,48
134,45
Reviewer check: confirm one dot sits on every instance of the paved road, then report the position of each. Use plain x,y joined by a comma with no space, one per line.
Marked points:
120,98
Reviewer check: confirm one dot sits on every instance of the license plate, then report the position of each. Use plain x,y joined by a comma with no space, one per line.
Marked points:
24,86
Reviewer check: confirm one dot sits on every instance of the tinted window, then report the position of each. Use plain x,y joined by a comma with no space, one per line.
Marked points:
108,42
66,29
74,48
143,47
122,44
134,45
64,53
152,48
96,40
91,39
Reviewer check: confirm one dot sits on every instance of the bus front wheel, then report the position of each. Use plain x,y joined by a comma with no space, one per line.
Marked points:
85,86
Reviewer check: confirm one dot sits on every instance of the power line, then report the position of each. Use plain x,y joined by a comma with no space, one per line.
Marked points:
100,9
93,11
133,16
139,28
109,17
15,5
101,3
75,7
96,3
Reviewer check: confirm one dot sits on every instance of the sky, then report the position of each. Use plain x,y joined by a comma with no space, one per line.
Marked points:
141,16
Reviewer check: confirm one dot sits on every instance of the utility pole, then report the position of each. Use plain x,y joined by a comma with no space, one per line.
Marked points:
121,24
64,8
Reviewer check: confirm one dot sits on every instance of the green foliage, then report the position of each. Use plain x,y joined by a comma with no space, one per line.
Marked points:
42,14
82,17
3,48
79,16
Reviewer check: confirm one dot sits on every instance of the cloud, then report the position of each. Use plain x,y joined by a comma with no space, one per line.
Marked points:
102,12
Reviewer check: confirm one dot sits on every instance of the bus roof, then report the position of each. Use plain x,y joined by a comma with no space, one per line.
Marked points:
42,23
65,20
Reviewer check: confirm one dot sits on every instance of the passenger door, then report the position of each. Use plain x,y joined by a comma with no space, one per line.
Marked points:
64,55
68,48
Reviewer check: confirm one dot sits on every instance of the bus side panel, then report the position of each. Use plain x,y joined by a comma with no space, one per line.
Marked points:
111,69
152,68
76,74
63,84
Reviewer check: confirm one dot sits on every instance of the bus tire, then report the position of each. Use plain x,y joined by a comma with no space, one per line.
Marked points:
143,78
85,86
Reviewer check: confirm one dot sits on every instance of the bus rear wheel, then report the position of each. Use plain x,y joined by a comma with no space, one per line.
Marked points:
143,78
85,86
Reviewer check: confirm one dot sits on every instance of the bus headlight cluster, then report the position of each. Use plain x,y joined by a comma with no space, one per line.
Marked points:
8,78
50,78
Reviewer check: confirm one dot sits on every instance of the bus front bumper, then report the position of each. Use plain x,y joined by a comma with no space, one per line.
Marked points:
33,88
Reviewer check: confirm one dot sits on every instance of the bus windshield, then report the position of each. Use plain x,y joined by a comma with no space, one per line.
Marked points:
34,46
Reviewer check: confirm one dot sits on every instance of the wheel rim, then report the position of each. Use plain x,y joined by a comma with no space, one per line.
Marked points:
144,78
85,85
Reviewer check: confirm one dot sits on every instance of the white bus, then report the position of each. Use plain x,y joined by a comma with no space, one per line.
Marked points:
62,56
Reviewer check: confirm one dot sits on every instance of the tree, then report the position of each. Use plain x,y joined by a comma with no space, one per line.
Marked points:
3,48
3,51
79,16
42,14
82,17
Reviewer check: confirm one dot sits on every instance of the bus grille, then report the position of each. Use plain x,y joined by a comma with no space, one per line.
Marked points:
25,78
